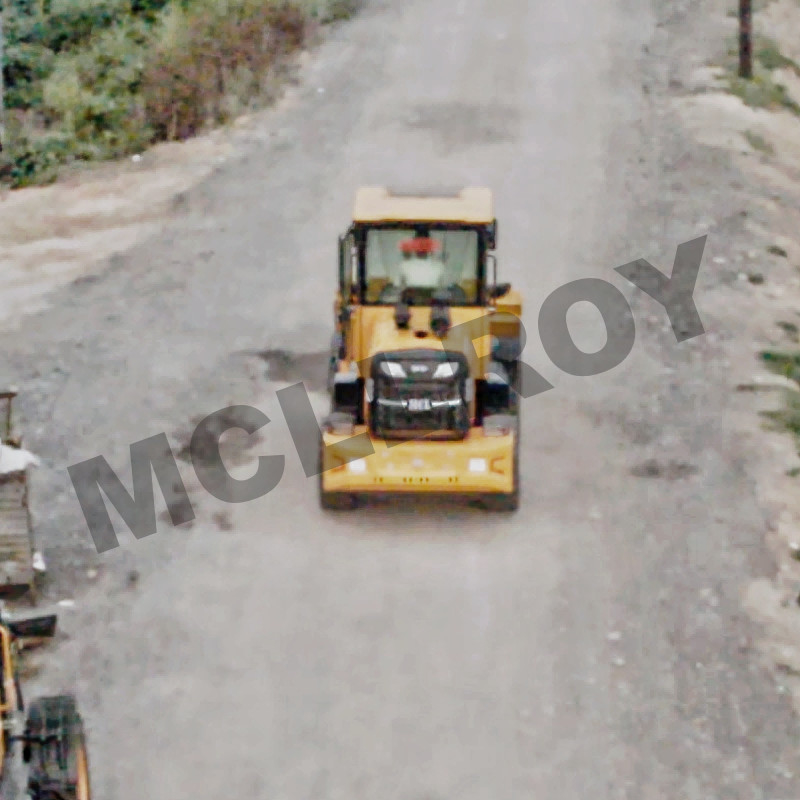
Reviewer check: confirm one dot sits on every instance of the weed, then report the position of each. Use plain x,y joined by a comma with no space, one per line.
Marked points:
762,92
759,143
328,11
781,363
787,419
771,58
790,328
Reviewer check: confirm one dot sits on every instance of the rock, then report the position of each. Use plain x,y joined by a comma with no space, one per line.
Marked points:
614,636
618,662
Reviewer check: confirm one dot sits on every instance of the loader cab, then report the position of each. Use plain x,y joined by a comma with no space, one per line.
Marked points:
418,263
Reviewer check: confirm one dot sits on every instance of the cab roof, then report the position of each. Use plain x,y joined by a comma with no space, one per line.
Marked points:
473,206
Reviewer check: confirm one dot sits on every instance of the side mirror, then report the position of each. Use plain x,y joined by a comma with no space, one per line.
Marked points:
499,290
491,235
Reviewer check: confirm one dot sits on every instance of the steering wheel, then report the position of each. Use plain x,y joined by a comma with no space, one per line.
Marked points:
457,293
389,295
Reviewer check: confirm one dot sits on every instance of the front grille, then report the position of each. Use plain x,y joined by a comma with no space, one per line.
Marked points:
409,402
402,407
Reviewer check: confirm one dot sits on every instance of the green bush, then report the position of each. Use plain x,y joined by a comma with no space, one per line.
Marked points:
335,10
212,57
98,79
26,66
35,159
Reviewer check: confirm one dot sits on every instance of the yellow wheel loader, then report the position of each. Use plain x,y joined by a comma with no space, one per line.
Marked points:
424,361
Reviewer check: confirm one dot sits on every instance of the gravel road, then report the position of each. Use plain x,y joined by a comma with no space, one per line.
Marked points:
592,646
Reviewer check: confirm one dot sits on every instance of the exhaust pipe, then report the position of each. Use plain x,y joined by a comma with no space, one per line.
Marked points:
440,314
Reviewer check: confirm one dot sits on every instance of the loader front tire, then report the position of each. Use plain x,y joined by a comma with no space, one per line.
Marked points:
501,502
333,501
505,502
337,501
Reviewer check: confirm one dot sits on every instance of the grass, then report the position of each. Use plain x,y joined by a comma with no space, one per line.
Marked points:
334,10
762,91
789,328
759,143
768,54
782,363
787,418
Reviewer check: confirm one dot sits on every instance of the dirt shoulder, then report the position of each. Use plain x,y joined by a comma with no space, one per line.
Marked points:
53,235
752,144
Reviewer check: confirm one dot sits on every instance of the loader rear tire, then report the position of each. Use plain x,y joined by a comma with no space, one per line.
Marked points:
59,768
333,501
501,502
338,501
506,502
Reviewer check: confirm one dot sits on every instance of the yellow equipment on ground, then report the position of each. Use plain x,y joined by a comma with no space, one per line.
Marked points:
53,739
424,363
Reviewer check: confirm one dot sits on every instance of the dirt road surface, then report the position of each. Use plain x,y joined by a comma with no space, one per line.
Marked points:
591,646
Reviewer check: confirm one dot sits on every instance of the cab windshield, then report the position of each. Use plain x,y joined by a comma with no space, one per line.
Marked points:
414,263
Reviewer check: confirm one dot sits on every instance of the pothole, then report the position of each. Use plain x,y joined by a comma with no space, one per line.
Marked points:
222,519
211,442
284,366
670,470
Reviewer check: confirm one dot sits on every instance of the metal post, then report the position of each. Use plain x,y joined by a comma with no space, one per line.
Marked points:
2,94
745,40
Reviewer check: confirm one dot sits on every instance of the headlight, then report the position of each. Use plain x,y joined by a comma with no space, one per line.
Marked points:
477,465
359,466
446,370
393,369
